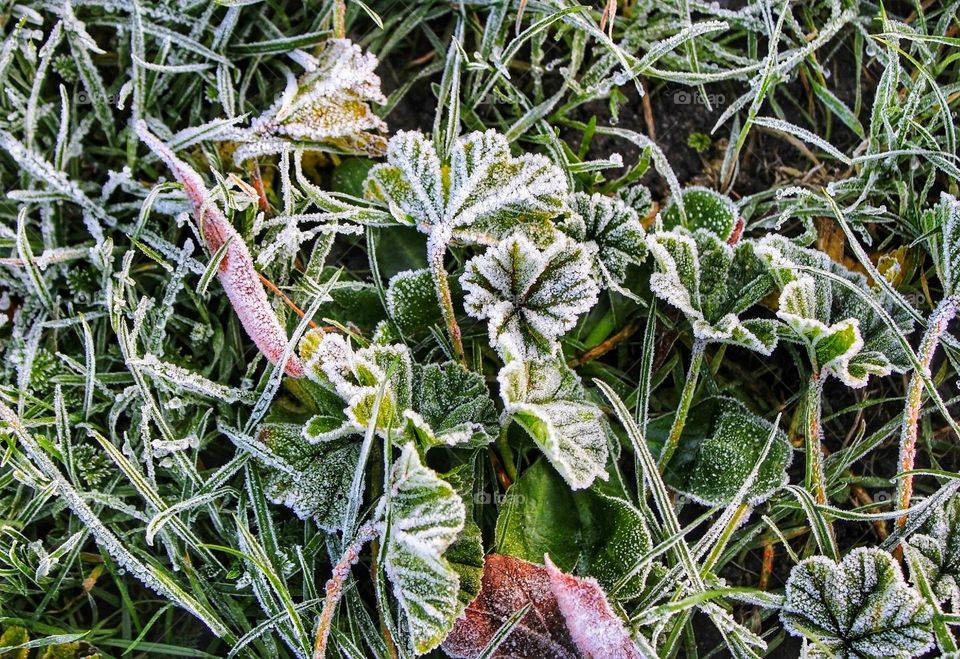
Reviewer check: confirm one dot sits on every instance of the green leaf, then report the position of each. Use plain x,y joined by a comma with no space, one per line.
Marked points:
719,447
596,531
938,551
612,231
313,480
529,297
843,333
482,191
548,401
356,377
942,224
713,283
860,608
705,209
349,175
465,556
452,406
412,300
421,516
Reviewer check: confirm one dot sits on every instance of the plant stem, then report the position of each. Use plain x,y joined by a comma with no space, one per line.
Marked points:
334,587
506,455
436,248
686,397
815,478
936,326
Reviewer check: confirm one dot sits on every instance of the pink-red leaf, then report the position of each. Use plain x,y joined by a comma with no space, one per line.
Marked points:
236,270
569,617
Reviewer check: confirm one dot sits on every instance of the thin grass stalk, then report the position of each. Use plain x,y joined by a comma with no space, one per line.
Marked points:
686,398
939,319
436,248
816,480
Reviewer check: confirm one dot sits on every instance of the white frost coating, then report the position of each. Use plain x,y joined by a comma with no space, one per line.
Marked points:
236,270
329,105
860,607
937,551
104,537
682,283
593,626
489,190
529,297
180,378
547,399
612,229
425,515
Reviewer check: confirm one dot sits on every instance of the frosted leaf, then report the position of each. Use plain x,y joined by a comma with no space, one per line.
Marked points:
705,209
482,192
421,516
569,617
453,406
356,376
712,283
612,231
529,297
412,300
548,401
327,108
860,608
719,448
508,585
236,270
318,480
943,220
843,332
637,197
594,627
938,551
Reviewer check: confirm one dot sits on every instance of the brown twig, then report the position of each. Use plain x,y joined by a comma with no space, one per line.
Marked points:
606,346
290,303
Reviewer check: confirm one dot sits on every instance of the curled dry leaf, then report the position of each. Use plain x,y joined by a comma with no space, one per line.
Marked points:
235,271
569,617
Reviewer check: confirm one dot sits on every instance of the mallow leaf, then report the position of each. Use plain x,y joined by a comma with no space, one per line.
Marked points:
313,480
844,335
482,193
356,376
859,608
529,297
327,108
547,399
596,530
704,209
612,231
938,551
713,283
569,617
719,447
412,300
452,406
421,516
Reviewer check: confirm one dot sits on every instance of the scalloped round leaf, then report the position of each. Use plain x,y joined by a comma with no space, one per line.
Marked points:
705,209
638,197
465,556
313,480
860,608
453,405
487,192
613,231
938,550
547,400
421,518
713,283
412,300
529,297
719,447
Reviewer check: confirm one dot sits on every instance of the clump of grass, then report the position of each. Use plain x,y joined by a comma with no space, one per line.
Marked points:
515,329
